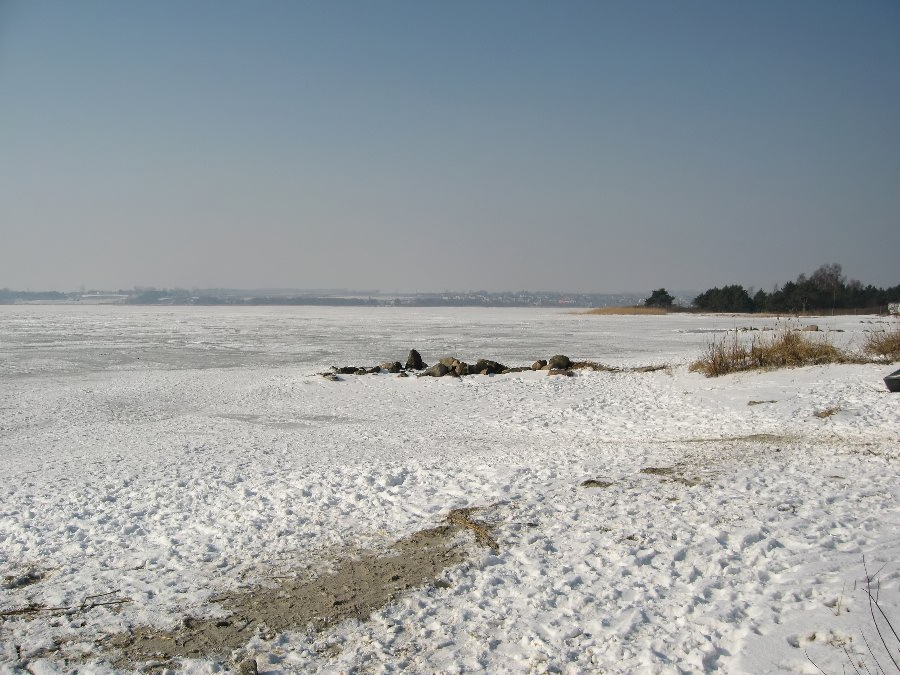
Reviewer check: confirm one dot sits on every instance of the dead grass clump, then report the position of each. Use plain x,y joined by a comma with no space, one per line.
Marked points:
722,357
463,518
884,344
790,349
787,349
593,365
827,412
627,311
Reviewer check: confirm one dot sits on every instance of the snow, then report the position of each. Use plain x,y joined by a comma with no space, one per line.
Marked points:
169,455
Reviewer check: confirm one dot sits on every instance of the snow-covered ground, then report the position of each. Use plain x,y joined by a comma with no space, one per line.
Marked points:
165,456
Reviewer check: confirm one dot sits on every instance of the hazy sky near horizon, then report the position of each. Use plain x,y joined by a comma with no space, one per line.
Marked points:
594,145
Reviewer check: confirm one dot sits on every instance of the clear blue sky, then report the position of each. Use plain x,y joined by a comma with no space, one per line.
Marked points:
593,146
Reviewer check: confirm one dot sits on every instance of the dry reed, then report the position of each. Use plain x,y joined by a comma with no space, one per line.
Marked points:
626,311
787,349
884,344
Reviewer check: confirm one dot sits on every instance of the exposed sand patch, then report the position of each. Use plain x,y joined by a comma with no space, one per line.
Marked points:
358,583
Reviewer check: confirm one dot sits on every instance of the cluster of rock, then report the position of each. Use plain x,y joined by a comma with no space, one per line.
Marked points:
453,367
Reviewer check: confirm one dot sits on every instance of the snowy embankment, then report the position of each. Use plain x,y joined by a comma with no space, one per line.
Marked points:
167,457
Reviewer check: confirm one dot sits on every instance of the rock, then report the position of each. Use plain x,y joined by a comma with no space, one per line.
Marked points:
437,370
247,667
359,371
559,362
414,360
811,328
450,361
537,365
462,368
488,367
373,371
402,374
348,370
560,371
331,376
391,366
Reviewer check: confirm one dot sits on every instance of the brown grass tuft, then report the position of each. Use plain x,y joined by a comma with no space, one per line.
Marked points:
827,412
615,311
884,344
787,349
463,518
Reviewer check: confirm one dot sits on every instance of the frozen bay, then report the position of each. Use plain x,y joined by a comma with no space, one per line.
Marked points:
173,454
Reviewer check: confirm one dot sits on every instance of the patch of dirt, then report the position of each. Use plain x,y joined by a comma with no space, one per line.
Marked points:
26,578
753,438
827,412
671,474
597,483
355,587
463,518
358,583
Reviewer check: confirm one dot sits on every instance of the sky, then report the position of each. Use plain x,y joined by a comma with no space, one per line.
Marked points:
593,146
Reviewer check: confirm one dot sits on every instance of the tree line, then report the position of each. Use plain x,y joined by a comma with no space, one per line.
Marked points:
826,289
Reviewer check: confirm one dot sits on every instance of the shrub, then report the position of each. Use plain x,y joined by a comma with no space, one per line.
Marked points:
884,344
787,349
722,357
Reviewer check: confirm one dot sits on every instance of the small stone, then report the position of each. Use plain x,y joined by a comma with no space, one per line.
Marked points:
248,667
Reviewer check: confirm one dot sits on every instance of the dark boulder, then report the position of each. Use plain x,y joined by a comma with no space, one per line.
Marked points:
559,362
437,370
414,360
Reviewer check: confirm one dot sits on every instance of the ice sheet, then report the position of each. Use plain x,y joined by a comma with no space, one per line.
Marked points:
171,454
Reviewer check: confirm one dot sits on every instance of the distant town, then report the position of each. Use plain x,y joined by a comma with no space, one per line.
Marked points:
825,289
332,297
